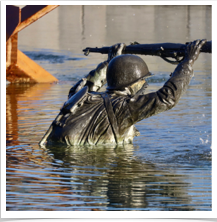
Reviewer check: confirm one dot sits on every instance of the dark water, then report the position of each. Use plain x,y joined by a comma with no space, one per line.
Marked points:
167,168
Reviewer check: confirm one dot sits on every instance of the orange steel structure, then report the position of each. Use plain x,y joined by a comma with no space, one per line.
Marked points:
19,67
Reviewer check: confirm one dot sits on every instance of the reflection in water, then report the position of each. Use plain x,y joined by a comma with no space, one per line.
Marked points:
167,168
15,95
102,178
124,180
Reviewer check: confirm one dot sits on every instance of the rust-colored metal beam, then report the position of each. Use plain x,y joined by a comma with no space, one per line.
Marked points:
25,70
32,13
19,67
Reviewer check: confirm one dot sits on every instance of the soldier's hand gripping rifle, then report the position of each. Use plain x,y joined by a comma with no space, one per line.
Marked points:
163,50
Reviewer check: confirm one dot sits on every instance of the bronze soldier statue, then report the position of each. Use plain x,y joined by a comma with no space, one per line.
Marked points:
91,117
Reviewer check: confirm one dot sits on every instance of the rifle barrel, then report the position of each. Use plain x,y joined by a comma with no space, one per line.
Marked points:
152,49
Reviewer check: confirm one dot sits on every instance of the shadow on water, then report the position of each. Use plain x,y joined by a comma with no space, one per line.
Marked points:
50,58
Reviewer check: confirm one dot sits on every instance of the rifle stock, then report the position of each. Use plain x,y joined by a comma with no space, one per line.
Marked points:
164,50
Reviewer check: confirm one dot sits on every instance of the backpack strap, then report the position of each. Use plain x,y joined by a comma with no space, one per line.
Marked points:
111,116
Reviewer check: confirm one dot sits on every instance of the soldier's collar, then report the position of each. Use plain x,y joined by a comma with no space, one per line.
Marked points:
125,92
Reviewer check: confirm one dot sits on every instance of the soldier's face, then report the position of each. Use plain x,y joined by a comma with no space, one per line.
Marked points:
138,86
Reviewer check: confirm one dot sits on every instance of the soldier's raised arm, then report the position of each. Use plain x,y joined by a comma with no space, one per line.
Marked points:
144,106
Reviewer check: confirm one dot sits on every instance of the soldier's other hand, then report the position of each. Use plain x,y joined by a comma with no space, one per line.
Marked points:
97,78
193,50
115,50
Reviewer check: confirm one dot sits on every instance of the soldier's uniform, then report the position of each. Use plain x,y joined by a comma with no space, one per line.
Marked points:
93,117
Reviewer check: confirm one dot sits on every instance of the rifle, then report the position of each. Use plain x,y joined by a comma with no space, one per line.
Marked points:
68,107
163,50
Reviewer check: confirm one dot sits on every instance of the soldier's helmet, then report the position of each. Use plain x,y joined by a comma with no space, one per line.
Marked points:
124,70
